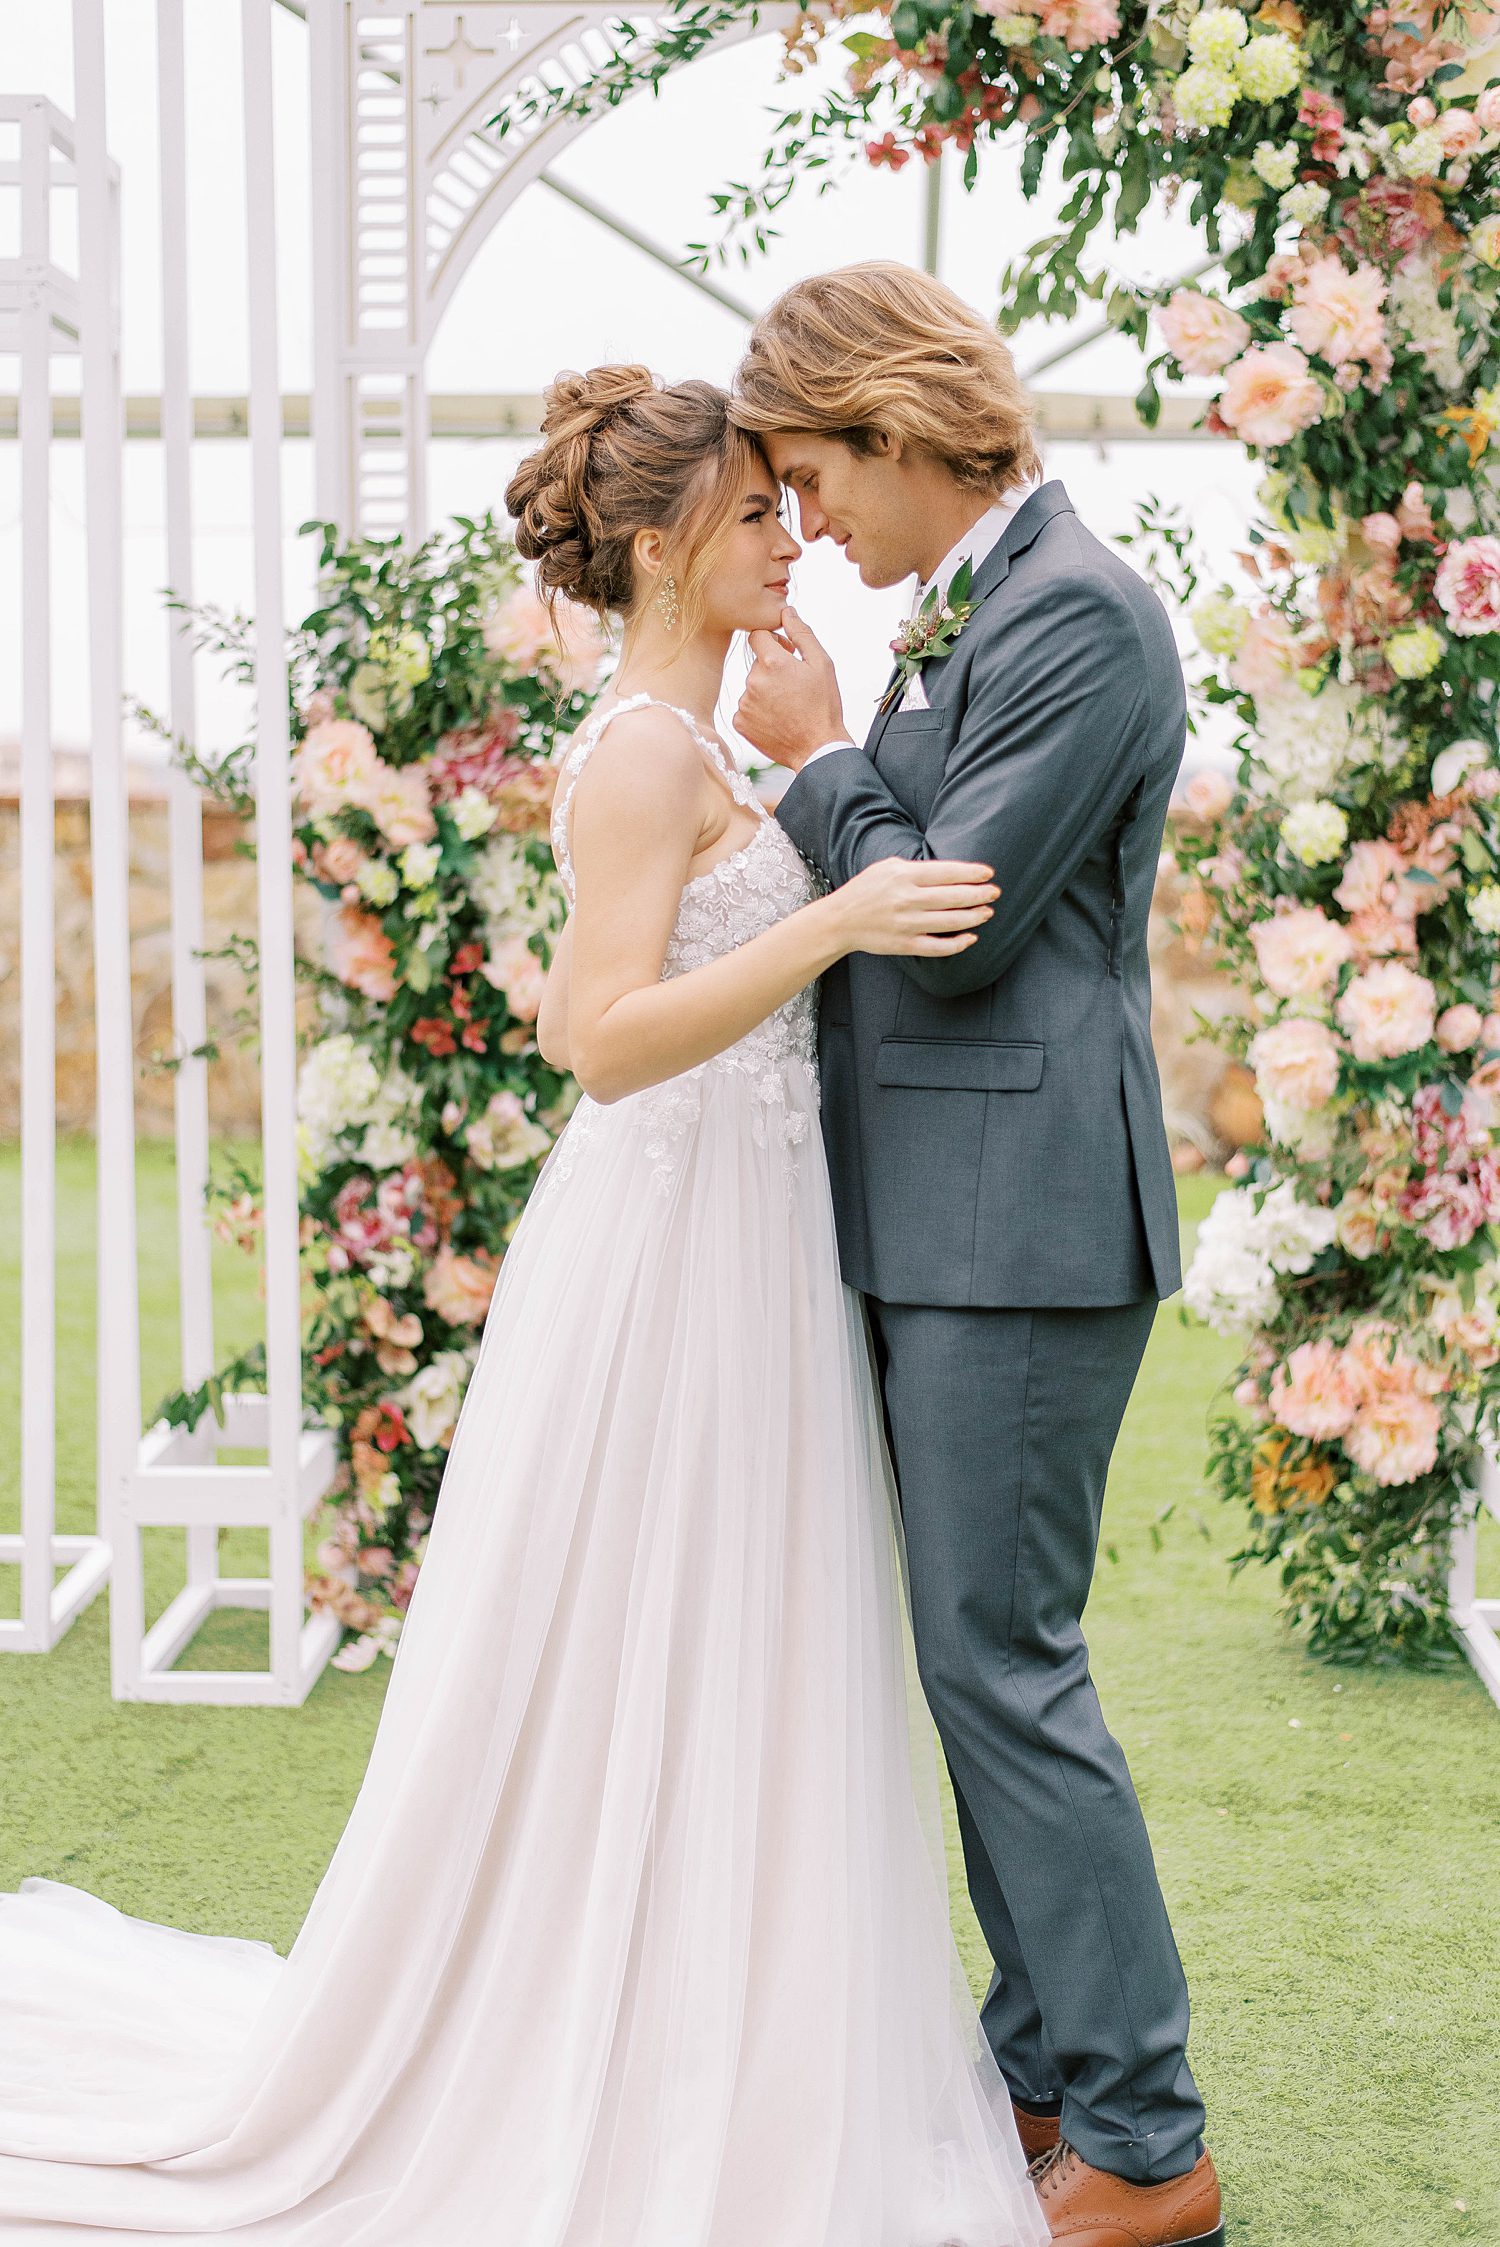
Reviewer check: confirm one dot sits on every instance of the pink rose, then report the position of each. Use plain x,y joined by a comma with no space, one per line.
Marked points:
1383,532
339,859
1202,334
1326,118
1299,953
1388,1011
335,764
1208,795
1225,870
1079,23
1315,1393
1267,659
1395,1438
398,803
1359,1231
1375,876
459,1287
1461,133
1337,313
1270,395
363,955
1379,933
1422,111
514,969
523,634
1468,586
1296,1061
1487,110
1414,515
1458,1027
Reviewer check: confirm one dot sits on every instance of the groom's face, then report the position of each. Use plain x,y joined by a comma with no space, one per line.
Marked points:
859,500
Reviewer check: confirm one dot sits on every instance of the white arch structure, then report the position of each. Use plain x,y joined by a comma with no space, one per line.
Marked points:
408,180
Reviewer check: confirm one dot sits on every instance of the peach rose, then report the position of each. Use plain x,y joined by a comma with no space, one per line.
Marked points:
1270,395
1414,515
1208,795
1382,532
1458,1027
398,803
363,956
1201,334
459,1287
1395,1432
1461,132
1387,1011
1487,110
1079,23
1359,1230
335,764
514,969
1379,933
1266,662
1296,1061
1337,313
1314,1393
1299,953
339,859
1375,875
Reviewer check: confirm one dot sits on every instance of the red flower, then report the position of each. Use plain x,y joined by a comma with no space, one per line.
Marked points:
474,1035
887,150
434,1034
466,959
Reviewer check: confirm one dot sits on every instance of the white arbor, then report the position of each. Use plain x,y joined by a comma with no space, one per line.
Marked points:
408,179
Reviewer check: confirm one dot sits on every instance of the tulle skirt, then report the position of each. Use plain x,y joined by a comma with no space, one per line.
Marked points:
637,1934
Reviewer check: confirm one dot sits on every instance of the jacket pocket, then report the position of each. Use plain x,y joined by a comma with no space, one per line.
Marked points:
959,1064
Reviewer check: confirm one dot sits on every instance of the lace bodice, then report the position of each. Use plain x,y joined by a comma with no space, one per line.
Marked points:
721,909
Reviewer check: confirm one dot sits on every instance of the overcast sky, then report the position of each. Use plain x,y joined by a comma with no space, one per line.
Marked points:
549,288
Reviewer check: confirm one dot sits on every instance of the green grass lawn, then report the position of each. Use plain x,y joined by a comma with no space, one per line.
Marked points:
1329,1840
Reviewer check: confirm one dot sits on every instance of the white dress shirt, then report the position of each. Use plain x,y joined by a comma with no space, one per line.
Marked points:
977,543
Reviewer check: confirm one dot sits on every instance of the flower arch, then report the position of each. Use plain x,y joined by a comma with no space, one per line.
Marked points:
1342,163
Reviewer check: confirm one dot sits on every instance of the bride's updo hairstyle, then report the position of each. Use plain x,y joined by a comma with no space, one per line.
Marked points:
621,453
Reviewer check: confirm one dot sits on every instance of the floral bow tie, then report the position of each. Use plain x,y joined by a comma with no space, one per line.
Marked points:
931,631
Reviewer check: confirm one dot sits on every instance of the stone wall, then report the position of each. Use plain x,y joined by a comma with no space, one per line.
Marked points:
1210,1105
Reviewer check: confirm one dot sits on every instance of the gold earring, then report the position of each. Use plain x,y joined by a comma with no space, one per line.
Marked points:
666,601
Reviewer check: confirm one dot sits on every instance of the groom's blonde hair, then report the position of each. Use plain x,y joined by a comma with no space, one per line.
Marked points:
880,347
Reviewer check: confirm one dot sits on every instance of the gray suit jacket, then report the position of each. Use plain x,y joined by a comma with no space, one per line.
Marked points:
993,1120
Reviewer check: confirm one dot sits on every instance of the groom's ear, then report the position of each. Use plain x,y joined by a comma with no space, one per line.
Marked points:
881,444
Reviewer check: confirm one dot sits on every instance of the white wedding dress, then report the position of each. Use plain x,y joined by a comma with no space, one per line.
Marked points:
637,1934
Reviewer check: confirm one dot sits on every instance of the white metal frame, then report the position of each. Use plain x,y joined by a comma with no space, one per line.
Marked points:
40,318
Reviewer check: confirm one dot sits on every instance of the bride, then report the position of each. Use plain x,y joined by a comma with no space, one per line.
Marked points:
636,1936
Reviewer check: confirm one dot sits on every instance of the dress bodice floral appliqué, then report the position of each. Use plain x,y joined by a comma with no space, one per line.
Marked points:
733,901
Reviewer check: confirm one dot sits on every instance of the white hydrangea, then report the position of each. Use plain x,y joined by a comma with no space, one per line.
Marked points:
1432,330
1421,157
1217,36
1219,623
1275,164
1205,95
503,877
1304,204
1230,1284
1294,1231
1315,832
1269,67
1308,1132
337,1088
1305,741
1453,764
431,1399
1484,908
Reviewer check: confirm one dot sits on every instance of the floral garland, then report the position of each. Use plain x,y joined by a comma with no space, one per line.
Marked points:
1342,163
428,691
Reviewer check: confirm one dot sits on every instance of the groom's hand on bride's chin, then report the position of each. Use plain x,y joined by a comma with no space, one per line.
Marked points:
791,703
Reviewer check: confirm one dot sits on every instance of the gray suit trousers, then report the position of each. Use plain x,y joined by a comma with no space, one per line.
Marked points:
1001,1425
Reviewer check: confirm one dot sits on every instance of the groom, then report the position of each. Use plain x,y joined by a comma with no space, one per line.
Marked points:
1002,1186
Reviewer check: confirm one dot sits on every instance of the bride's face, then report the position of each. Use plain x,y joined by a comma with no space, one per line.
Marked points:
749,586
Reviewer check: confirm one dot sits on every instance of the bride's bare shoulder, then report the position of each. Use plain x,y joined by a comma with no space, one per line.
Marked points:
643,776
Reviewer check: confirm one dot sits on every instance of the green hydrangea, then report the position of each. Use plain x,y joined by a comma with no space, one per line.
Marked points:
1219,623
1217,36
1277,166
1269,67
1414,653
1205,95
1016,31
1315,832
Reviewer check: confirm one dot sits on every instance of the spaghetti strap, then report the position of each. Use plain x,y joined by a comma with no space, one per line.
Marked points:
587,739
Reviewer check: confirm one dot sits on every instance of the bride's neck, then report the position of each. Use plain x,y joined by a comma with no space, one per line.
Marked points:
689,673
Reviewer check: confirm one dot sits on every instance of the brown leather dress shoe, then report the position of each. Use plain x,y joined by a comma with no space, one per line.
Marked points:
1088,2207
1038,2133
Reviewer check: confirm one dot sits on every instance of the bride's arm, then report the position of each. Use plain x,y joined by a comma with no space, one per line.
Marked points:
635,824
552,1016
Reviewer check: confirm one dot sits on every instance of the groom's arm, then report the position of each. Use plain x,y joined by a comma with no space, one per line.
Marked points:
1054,737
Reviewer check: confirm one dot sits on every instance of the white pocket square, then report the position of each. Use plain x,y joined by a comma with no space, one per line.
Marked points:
915,697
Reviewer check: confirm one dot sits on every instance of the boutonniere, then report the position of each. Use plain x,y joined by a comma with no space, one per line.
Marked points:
932,631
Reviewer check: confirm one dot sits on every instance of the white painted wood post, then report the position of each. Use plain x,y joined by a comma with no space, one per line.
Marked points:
1477,1620
39,319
